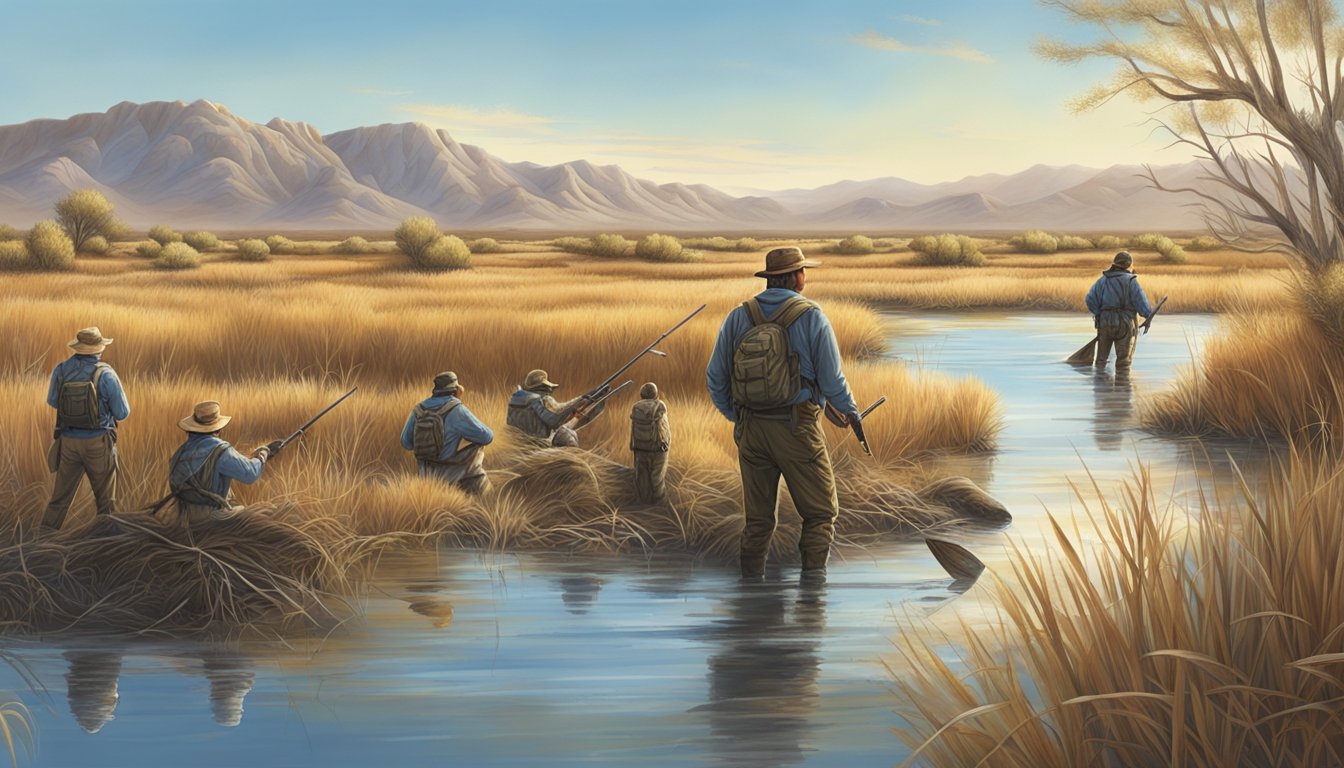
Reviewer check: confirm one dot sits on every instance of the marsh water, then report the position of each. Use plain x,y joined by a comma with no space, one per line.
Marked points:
467,658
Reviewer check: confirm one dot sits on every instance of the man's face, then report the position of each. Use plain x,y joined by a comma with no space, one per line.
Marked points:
802,279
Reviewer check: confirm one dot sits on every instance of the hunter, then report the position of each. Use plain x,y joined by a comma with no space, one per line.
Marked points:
1113,301
447,439
89,401
650,437
775,366
534,412
203,469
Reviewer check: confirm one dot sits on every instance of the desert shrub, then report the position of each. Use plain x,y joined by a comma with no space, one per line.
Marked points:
657,247
149,249
949,250
1204,243
923,244
50,247
1147,241
8,233
97,245
280,244
414,236
747,245
1074,243
485,245
608,246
447,252
253,250
884,243
571,244
85,214
854,245
1109,242
1322,296
164,234
352,245
1171,252
201,241
719,243
1034,241
14,255
178,256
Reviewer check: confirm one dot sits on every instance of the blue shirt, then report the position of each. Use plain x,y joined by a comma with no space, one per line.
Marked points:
112,405
810,337
460,424
191,455
1114,291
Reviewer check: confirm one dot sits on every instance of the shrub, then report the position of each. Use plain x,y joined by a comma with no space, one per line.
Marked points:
49,246
97,245
1147,241
178,255
1034,241
253,250
571,244
14,255
1074,243
884,244
1171,252
948,250
1204,243
414,236
854,245
84,214
164,234
609,246
1322,296
201,241
352,245
8,233
1109,242
657,247
741,245
485,245
280,244
149,249
447,252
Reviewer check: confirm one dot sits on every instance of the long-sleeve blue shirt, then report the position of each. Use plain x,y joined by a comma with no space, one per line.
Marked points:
460,424
810,337
232,465
112,404
1118,290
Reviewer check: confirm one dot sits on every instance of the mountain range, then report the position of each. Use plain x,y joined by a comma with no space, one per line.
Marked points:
199,165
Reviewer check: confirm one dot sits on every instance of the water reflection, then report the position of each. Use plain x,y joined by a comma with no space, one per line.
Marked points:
1113,408
91,686
230,682
578,593
763,677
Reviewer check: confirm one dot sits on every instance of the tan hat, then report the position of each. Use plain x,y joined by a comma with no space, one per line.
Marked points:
782,261
1122,259
89,341
536,379
648,391
205,418
445,381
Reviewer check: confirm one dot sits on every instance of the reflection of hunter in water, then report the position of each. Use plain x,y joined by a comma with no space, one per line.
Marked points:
578,593
763,679
1113,408
230,681
91,687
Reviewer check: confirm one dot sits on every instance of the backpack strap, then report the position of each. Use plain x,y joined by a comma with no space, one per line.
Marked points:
793,309
447,408
98,371
754,312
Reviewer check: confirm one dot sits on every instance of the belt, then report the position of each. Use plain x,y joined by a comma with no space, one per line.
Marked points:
785,410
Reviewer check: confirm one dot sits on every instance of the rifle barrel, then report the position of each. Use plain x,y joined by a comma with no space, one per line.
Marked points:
313,420
872,407
650,348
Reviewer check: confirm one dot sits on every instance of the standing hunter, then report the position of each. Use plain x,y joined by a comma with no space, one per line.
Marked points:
203,469
650,438
534,412
774,368
447,439
1113,301
89,401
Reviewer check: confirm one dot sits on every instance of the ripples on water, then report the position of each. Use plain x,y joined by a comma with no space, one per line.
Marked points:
545,660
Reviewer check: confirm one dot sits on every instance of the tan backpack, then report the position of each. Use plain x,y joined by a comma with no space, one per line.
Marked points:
77,402
765,370
648,426
427,436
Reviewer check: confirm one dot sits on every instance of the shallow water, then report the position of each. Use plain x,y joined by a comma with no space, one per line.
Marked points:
473,659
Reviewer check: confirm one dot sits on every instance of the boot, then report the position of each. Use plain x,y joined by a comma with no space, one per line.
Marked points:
814,564
753,567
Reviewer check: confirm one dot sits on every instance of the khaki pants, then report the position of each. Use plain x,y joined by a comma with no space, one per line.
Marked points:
1122,338
650,476
767,449
467,470
92,457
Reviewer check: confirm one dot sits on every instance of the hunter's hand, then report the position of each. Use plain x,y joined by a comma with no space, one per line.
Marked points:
273,448
598,394
261,452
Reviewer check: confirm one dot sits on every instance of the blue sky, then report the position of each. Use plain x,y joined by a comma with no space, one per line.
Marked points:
740,95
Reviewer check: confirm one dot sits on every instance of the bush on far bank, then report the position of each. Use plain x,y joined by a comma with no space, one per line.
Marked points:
280,244
352,245
948,250
253,250
201,240
485,245
854,245
164,234
718,243
664,248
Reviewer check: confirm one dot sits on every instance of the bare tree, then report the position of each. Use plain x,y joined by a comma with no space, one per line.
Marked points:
1254,87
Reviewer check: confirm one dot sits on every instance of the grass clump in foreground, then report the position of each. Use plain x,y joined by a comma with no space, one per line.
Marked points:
1164,645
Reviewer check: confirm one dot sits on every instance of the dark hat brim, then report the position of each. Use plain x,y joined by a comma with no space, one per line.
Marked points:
806,263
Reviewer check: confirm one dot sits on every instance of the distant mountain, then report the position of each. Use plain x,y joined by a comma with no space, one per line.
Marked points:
198,165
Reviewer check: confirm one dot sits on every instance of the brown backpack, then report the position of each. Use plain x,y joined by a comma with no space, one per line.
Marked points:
765,370
648,426
427,436
77,402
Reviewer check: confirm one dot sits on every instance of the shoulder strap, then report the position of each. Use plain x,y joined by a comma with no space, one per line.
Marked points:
793,309
447,408
98,371
754,312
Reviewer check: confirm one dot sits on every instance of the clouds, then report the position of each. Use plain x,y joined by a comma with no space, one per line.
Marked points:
953,50
920,20
470,117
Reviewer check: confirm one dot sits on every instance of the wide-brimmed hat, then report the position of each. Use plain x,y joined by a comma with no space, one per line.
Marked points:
445,381
205,418
782,261
538,378
1122,259
89,341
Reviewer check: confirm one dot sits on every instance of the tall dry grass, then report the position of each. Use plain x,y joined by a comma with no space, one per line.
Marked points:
1215,645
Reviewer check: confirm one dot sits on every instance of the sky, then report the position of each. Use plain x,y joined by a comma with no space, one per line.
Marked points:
740,95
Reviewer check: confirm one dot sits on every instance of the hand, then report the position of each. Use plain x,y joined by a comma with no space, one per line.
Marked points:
274,447
261,452
598,394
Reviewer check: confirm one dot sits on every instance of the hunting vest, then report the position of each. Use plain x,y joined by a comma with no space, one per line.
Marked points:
1117,308
649,430
196,488
523,418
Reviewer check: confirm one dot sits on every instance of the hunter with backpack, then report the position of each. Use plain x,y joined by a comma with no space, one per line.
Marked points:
650,439
202,470
89,402
775,366
447,439
1113,301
